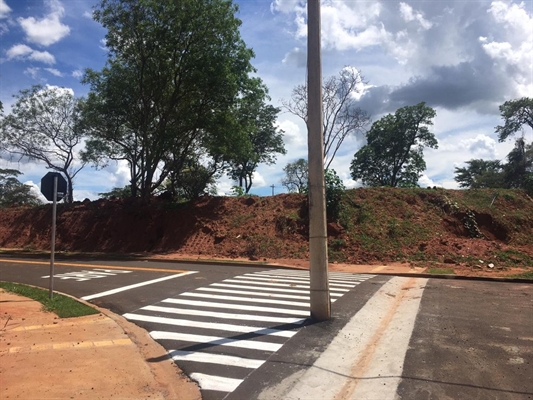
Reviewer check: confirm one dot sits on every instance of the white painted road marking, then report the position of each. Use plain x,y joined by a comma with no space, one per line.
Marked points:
211,358
221,315
210,325
218,383
216,341
85,275
136,285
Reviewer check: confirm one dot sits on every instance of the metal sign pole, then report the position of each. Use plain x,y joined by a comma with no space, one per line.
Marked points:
52,252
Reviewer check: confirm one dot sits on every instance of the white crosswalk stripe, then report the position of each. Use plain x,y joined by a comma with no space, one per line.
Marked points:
219,333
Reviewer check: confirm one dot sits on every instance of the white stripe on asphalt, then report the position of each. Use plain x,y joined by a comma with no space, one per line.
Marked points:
228,306
211,358
254,294
266,289
273,278
216,341
218,383
288,285
136,285
295,278
210,325
245,299
221,315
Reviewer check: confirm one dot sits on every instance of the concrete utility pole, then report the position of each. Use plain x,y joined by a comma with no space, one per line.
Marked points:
318,244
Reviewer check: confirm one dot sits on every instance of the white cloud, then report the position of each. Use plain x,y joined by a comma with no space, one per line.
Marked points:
408,15
292,135
47,30
297,57
36,190
18,51
77,74
258,180
481,146
426,181
24,52
54,71
284,6
33,72
4,9
88,14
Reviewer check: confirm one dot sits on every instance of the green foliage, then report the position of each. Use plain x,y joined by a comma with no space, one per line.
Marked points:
174,74
237,191
260,139
63,306
334,193
393,155
296,176
43,126
516,173
515,114
480,174
13,192
119,193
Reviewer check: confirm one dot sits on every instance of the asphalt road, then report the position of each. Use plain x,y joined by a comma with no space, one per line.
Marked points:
241,331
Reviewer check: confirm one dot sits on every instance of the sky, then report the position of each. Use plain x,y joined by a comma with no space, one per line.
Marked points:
463,58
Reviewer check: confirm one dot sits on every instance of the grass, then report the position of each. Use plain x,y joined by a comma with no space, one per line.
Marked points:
441,271
63,306
523,275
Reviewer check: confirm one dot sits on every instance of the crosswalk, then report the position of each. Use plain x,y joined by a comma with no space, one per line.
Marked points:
220,333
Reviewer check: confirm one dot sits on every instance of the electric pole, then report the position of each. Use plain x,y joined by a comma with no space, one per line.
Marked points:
318,244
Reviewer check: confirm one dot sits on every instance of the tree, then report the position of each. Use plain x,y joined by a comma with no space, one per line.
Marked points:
13,192
296,176
173,74
260,137
518,172
393,155
480,174
341,116
43,126
117,192
515,113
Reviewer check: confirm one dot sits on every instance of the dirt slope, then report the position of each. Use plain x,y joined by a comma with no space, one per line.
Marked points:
471,229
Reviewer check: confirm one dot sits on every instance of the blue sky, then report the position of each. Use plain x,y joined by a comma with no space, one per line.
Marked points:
462,58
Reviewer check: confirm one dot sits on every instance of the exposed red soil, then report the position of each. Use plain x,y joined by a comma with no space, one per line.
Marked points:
270,229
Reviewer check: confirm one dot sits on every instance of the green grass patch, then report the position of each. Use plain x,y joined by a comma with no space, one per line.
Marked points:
441,271
523,275
63,306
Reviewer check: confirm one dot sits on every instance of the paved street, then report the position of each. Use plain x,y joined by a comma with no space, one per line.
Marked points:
243,332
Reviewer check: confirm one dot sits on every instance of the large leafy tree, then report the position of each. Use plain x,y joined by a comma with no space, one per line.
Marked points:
13,192
261,140
43,126
341,116
173,74
393,155
518,172
515,114
296,176
480,174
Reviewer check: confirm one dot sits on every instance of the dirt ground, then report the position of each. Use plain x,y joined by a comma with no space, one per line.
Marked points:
92,357
386,227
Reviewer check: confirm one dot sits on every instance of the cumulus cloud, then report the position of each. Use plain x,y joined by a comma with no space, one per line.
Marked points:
292,135
456,54
482,146
24,52
47,30
4,9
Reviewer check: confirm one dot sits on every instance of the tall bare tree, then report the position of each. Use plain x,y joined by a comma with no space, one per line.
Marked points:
42,126
341,116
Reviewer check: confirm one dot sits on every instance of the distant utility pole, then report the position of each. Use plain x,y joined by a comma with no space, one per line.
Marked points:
318,245
272,186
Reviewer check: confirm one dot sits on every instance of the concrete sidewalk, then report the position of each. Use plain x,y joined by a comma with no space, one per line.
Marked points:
100,356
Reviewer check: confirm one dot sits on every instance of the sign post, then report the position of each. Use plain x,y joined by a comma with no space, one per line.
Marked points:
50,184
